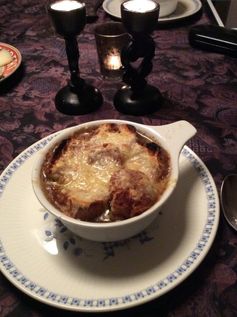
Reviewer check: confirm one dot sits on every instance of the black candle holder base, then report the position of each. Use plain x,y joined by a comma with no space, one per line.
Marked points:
146,101
71,102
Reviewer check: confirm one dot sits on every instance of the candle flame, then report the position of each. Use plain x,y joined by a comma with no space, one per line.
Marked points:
113,61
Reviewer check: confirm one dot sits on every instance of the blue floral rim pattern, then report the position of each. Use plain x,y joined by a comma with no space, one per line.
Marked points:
64,301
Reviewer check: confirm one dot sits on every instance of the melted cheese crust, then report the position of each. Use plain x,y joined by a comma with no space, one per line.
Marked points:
76,175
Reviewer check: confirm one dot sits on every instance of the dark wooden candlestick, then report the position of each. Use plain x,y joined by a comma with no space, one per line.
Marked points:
77,97
137,97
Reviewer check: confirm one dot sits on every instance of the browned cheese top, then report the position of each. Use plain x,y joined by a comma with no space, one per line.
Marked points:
106,173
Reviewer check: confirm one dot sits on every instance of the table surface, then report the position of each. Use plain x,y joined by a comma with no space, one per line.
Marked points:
197,86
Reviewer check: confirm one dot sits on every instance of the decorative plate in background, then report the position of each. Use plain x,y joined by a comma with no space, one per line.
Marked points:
9,69
185,8
44,260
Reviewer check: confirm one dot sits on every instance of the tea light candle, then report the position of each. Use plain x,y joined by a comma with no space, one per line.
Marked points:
140,16
113,60
68,17
140,6
66,5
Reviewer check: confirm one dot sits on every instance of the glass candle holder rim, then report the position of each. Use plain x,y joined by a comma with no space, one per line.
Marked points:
105,24
157,6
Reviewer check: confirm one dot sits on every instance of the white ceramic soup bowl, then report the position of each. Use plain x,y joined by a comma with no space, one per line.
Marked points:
171,137
167,7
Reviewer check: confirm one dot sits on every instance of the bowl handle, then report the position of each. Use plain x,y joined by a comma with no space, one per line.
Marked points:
176,134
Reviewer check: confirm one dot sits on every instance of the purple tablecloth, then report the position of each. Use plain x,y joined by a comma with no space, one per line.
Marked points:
197,86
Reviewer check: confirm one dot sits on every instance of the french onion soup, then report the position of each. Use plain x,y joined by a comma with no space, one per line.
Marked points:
106,173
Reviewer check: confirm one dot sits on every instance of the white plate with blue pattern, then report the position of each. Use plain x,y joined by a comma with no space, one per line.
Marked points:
185,9
44,260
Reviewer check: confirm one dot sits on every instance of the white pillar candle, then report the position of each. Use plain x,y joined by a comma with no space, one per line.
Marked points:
140,6
66,5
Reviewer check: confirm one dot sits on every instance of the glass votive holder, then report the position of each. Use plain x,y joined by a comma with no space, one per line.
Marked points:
110,38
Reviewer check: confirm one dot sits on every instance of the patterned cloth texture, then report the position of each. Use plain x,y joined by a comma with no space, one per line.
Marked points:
197,86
